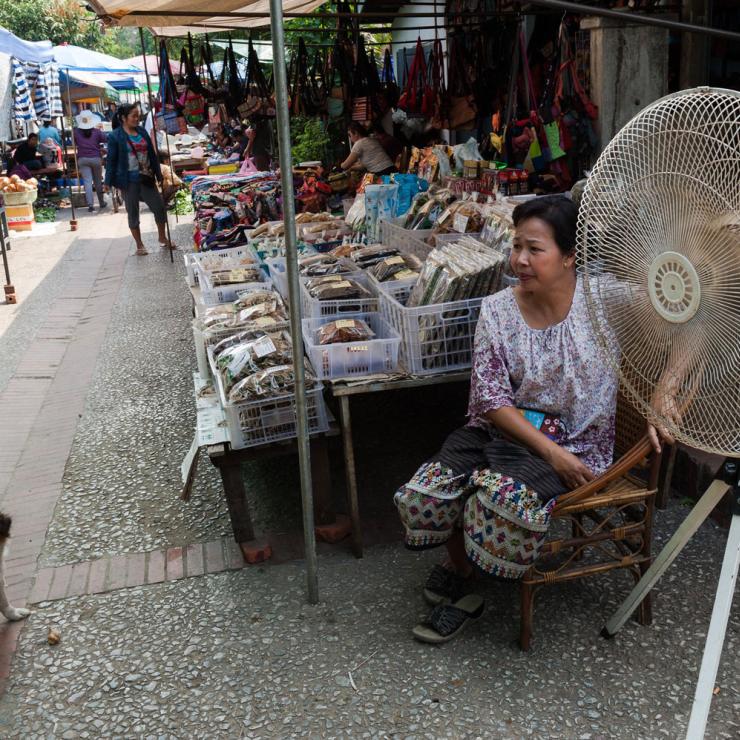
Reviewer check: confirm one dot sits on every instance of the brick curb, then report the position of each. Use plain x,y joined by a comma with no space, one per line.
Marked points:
129,570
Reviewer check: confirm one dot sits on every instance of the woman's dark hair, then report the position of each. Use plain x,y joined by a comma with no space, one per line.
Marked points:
558,212
124,110
357,128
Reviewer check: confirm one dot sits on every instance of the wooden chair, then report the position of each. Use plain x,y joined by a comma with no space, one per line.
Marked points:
610,522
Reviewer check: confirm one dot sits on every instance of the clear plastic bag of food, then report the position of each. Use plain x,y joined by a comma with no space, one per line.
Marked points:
369,256
344,330
397,267
325,289
237,275
273,381
254,354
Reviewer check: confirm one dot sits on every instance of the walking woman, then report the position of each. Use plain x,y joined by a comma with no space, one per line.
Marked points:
89,141
134,169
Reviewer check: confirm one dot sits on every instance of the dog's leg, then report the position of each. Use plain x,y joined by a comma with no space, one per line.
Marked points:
9,612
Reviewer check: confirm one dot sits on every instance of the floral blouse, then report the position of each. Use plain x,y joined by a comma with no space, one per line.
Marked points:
560,371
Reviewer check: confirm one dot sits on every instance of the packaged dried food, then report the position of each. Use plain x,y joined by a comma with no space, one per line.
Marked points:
237,275
369,256
345,330
272,381
398,267
255,353
326,289
323,264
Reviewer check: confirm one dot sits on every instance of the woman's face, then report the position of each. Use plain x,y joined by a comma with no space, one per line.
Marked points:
536,258
133,118
352,136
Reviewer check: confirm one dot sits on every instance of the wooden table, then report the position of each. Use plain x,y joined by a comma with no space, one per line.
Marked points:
229,463
343,392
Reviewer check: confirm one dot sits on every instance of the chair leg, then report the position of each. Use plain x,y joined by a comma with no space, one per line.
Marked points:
576,529
525,624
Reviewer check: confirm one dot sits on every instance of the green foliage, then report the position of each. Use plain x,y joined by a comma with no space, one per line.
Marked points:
309,139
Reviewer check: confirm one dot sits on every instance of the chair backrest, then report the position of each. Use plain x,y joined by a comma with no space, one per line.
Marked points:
629,427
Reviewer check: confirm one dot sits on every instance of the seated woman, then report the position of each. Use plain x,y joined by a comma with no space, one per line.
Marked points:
27,155
367,153
541,422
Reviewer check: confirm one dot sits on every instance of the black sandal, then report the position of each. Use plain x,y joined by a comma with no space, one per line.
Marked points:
447,621
443,586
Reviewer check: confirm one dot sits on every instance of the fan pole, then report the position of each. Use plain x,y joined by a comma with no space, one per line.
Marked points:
718,625
723,598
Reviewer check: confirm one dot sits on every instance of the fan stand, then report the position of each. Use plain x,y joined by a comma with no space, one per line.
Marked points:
725,588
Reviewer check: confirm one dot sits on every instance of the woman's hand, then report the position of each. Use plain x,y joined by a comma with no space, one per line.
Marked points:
569,468
664,404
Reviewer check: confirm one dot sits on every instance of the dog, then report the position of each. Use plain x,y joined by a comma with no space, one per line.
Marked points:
11,613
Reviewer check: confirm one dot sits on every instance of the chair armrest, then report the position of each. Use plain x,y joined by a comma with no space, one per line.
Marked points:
625,463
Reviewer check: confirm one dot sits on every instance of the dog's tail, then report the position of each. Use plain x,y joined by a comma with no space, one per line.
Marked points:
5,522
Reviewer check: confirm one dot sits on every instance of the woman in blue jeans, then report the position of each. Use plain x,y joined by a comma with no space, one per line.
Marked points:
133,168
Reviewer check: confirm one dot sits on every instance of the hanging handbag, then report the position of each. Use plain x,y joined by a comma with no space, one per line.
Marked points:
169,117
412,98
461,108
257,100
437,99
362,88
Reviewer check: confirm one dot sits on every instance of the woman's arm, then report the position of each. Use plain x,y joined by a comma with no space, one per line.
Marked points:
510,422
351,160
111,164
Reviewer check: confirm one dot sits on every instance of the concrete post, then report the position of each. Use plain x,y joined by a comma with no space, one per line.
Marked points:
629,70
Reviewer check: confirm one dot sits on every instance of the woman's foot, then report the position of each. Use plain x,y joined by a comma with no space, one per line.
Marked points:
91,209
141,251
444,586
167,245
447,621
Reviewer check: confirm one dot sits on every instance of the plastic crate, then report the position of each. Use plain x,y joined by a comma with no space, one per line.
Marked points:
313,308
260,422
279,273
406,240
212,295
435,339
192,259
379,355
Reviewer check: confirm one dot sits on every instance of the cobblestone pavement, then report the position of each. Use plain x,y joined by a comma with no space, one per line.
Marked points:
123,476
239,654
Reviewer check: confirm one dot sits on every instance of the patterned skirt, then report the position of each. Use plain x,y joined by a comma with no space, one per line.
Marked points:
497,491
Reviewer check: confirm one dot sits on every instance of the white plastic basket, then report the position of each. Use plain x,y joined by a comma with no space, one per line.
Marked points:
435,339
313,308
279,273
192,259
212,295
407,241
260,422
379,355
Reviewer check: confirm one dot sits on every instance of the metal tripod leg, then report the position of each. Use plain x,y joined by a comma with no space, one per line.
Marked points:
716,634
667,555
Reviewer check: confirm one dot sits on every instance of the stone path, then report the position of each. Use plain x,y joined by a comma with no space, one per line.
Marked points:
164,636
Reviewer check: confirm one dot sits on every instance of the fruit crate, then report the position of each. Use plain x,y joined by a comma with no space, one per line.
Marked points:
272,419
436,338
347,359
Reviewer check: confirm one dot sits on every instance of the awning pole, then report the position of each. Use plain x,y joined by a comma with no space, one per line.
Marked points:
73,220
154,131
291,259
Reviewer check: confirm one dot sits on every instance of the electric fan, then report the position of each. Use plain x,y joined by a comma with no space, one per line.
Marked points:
659,252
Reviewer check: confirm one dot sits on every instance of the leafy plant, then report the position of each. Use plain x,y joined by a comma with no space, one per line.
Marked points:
309,139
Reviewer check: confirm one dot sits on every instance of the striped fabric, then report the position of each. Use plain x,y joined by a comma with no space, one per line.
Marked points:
36,91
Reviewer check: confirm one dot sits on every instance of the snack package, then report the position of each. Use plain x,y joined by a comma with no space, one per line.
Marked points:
237,275
272,381
344,330
368,256
256,353
336,287
398,267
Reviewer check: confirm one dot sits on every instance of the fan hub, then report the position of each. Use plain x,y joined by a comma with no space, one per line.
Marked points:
673,284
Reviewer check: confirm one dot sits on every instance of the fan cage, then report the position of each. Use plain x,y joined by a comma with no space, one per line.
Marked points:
659,252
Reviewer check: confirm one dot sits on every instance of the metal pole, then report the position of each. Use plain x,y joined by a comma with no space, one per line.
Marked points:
291,259
154,129
73,221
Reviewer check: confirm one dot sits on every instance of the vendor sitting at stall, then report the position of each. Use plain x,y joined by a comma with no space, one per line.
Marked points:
27,155
367,153
221,138
488,493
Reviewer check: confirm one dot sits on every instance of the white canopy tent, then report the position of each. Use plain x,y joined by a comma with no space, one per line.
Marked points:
170,17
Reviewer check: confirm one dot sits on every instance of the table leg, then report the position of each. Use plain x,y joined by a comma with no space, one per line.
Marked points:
254,550
321,482
349,466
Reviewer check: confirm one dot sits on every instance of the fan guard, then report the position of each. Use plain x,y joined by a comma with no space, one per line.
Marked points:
659,251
